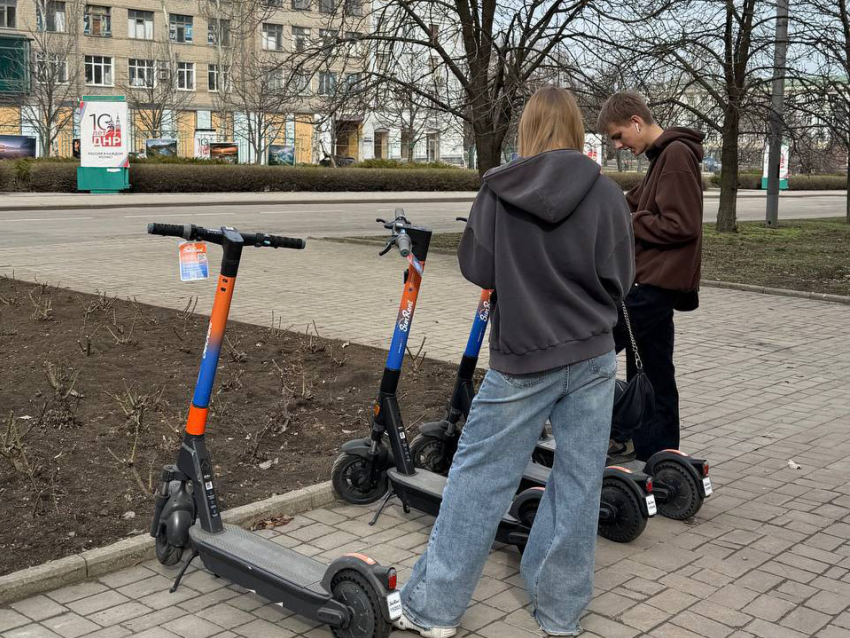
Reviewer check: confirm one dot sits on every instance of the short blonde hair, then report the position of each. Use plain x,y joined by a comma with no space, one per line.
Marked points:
551,120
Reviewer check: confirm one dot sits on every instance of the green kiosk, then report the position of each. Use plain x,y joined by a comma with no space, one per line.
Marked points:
104,145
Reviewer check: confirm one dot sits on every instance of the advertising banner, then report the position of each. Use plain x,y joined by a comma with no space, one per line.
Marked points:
784,158
16,146
161,147
593,148
203,138
282,155
104,141
226,151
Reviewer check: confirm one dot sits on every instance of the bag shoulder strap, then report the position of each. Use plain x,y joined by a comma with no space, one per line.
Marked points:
638,362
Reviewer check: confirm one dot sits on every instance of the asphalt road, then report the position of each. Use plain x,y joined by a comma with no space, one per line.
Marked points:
54,227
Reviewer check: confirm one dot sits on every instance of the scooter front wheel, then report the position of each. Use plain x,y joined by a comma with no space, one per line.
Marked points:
684,499
429,453
166,553
351,589
352,480
621,520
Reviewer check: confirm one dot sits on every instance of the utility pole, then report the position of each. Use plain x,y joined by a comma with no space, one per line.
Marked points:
776,112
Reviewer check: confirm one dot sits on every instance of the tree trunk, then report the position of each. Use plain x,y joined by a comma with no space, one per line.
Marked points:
727,214
848,186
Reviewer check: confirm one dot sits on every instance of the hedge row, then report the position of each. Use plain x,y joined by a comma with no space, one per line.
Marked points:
61,177
795,182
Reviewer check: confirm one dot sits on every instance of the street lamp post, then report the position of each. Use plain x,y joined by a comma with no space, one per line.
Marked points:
776,111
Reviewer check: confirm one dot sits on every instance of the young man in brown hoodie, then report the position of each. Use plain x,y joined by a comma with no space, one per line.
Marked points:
667,210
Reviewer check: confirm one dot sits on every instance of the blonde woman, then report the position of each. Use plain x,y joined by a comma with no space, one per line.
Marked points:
553,237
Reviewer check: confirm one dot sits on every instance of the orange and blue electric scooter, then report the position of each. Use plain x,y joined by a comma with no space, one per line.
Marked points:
354,594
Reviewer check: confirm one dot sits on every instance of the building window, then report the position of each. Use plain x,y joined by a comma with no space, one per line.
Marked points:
354,82
434,34
218,32
301,5
275,80
355,44
50,69
55,19
98,70
217,78
301,82
327,83
272,37
142,73
354,7
186,76
8,9
327,6
432,145
97,21
180,28
140,25
328,38
301,37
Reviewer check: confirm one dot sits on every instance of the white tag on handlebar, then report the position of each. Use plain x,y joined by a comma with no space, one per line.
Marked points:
193,261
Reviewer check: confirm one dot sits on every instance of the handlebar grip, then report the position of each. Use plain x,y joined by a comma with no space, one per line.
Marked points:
404,244
171,230
276,241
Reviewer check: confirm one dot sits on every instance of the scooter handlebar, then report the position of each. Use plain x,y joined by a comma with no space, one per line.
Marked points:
404,244
190,232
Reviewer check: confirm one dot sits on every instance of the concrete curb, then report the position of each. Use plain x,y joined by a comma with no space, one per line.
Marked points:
389,199
131,551
782,292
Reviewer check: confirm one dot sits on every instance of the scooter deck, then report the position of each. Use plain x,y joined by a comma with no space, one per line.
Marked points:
424,492
236,545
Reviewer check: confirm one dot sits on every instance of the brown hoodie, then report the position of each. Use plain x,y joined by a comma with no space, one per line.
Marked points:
667,212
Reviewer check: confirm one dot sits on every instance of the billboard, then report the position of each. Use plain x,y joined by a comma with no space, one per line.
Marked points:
16,146
161,147
282,155
203,138
593,148
227,151
784,157
104,141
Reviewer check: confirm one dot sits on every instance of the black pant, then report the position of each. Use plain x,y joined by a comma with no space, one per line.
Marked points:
651,314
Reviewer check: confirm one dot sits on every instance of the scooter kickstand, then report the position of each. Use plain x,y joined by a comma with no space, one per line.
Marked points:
384,502
182,571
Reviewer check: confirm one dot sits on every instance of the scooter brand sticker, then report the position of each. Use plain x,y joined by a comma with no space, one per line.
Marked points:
193,261
650,505
394,605
706,485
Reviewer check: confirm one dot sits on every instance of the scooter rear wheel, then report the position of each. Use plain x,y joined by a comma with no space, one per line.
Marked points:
166,553
351,480
685,499
429,453
352,590
628,522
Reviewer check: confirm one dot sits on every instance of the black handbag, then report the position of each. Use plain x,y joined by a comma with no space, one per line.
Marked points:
634,400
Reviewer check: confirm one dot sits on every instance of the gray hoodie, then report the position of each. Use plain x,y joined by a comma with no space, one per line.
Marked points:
553,237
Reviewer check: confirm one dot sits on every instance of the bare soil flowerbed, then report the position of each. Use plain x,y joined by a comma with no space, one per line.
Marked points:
94,391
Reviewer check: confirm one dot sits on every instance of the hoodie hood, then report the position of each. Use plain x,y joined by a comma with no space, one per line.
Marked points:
689,137
550,185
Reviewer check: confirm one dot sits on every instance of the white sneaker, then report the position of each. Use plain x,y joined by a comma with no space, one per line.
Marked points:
405,624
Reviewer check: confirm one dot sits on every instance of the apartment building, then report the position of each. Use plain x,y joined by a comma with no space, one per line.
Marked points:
168,55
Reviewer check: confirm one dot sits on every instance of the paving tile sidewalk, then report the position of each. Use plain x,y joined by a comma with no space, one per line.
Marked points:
763,380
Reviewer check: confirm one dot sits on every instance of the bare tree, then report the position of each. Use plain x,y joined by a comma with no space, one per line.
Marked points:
491,53
711,62
823,28
48,106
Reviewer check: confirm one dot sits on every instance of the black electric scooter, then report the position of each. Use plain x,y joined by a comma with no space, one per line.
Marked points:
354,594
367,470
626,501
673,482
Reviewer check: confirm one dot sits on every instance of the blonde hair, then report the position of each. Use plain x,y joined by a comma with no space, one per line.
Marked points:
551,120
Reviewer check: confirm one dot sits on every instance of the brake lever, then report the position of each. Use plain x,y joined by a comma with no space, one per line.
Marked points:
387,248
462,219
